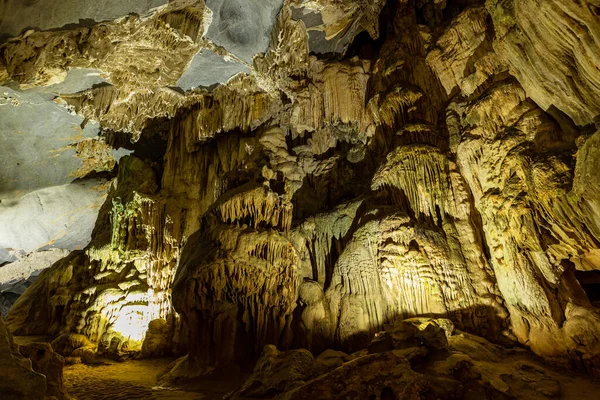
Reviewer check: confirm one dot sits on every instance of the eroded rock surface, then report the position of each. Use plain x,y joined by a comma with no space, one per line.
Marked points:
48,363
422,361
19,381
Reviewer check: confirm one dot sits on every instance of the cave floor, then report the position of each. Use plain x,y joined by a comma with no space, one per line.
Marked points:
132,379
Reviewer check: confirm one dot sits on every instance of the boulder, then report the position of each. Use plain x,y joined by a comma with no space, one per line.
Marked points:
277,372
45,361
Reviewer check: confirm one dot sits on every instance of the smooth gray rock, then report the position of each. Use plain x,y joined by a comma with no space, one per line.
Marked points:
208,68
16,15
29,265
10,292
56,217
7,255
35,136
77,80
243,27
311,18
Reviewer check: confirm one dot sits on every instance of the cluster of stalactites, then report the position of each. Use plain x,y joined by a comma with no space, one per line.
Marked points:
132,276
248,288
125,110
421,173
240,105
136,82
256,207
320,233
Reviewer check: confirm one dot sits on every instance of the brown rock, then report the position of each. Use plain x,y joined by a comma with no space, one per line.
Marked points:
17,379
277,372
48,363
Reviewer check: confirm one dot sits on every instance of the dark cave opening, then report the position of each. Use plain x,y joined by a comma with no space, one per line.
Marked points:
590,283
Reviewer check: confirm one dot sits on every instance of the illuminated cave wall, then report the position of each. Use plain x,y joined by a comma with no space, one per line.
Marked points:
304,180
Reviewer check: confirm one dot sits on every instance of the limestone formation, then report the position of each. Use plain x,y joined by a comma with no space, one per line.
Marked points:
552,49
308,184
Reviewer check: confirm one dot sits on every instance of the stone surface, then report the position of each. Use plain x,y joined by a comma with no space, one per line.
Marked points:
30,264
332,26
242,27
77,80
470,368
71,344
55,217
38,137
46,149
48,363
277,372
10,292
156,342
207,69
18,15
552,49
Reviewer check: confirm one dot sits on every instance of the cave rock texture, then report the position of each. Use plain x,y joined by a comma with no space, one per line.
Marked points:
302,173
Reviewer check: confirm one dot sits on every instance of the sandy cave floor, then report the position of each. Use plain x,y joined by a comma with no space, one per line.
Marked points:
137,379
132,379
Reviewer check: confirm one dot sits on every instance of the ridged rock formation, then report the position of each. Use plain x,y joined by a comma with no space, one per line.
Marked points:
396,365
334,167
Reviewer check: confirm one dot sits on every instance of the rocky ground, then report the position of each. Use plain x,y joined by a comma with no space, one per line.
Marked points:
414,359
418,358
107,379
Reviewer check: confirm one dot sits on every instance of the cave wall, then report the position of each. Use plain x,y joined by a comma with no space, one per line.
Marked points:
374,162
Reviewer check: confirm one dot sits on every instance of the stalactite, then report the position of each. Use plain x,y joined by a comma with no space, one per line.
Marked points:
321,232
421,173
336,97
259,205
127,111
396,107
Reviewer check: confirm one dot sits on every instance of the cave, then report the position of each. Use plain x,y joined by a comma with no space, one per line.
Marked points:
293,199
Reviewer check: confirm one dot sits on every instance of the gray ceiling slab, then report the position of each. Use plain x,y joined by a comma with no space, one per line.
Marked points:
29,265
208,68
7,255
243,27
77,80
56,217
35,136
15,15
40,207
